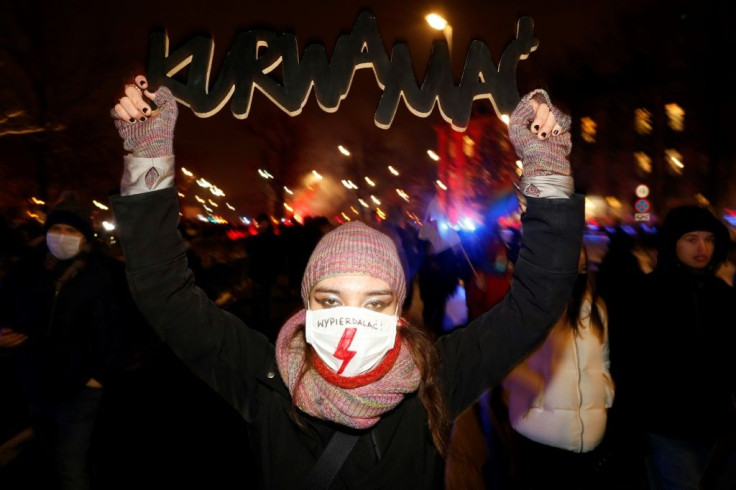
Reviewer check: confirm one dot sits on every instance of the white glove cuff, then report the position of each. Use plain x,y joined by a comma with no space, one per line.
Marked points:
146,174
548,186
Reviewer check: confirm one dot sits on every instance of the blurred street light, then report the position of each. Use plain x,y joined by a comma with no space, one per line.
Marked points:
439,23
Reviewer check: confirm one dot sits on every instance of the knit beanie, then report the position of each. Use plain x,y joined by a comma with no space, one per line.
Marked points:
70,211
685,219
355,249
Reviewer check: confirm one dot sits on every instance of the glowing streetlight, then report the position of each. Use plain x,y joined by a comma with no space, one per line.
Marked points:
402,194
436,21
439,23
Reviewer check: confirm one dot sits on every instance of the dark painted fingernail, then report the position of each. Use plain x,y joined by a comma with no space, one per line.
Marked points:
143,119
131,120
142,82
555,131
544,135
145,109
536,127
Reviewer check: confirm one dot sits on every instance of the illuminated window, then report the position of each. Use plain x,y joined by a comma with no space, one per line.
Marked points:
643,121
588,129
613,202
702,200
675,117
643,161
674,159
468,146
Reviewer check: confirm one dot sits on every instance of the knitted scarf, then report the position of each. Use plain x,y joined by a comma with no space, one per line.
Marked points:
357,403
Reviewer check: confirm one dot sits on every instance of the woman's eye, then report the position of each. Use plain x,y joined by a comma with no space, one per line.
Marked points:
375,305
328,302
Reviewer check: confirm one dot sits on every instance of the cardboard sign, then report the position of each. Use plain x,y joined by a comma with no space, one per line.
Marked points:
255,54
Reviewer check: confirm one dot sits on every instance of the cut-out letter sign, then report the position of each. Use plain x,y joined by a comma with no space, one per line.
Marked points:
256,54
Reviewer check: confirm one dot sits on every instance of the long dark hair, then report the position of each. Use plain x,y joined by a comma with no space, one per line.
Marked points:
585,286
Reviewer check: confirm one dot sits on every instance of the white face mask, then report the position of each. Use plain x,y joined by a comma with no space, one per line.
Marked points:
350,340
62,246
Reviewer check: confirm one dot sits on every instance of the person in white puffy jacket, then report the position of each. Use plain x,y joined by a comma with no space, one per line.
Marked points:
558,397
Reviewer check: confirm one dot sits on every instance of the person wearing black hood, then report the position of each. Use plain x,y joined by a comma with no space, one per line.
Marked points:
58,314
686,375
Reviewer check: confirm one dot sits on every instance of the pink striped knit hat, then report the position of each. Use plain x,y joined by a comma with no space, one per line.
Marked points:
355,248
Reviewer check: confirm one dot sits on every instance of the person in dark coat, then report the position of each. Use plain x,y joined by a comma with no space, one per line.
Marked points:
266,258
351,395
687,333
59,313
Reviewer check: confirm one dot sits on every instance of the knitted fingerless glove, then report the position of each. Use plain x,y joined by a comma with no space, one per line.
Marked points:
541,158
153,137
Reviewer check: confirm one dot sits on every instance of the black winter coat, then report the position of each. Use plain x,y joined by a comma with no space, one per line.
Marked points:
74,334
685,340
239,363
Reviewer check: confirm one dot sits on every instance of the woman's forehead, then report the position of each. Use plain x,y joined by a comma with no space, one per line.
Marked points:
353,283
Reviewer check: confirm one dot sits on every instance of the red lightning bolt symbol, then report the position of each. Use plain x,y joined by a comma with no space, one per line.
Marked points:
342,351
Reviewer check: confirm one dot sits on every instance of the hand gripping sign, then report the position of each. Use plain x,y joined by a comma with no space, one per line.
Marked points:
256,54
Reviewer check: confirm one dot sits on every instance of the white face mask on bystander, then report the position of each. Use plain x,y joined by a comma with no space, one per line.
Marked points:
350,340
63,246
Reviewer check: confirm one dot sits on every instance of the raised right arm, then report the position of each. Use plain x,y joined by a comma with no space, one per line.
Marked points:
215,344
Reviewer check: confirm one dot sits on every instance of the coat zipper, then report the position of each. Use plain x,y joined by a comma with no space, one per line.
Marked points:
580,391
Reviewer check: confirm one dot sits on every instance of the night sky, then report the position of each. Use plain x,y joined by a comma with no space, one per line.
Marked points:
65,62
